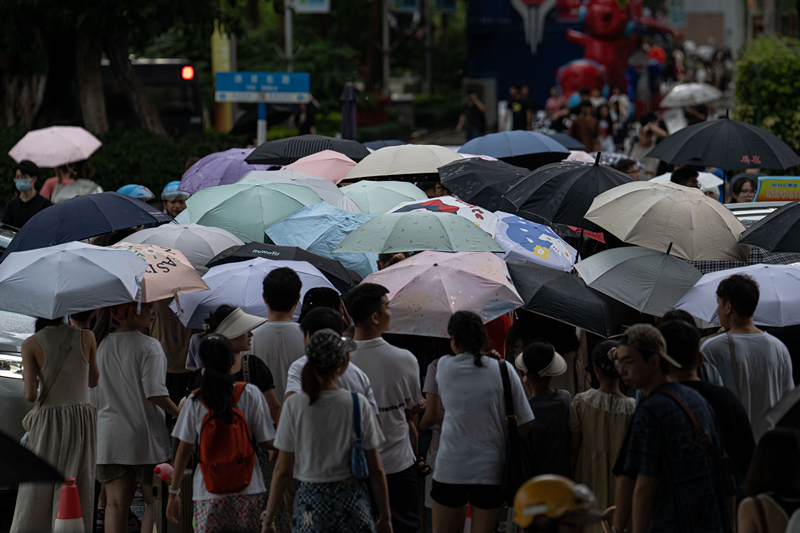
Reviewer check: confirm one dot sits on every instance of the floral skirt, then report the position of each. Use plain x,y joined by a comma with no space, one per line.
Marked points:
337,507
230,514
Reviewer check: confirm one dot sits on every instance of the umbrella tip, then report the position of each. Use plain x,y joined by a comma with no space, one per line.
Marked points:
669,248
597,159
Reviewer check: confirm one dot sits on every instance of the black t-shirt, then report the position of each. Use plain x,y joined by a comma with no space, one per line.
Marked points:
519,114
17,212
549,440
473,118
260,376
305,125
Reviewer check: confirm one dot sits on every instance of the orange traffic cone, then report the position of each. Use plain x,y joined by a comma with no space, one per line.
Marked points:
69,518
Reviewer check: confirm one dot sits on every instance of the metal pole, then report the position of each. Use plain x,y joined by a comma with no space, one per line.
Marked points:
428,49
385,46
234,68
287,24
261,125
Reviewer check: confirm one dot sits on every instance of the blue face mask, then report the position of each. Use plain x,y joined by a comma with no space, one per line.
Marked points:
22,185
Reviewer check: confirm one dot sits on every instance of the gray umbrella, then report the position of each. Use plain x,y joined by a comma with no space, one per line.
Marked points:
647,280
349,99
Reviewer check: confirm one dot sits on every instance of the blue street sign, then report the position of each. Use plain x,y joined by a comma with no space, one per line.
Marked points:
270,87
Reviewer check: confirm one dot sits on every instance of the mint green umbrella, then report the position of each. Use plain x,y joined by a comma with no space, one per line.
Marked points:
418,230
379,197
246,209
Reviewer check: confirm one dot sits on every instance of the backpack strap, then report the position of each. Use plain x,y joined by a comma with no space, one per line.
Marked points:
703,434
246,368
356,416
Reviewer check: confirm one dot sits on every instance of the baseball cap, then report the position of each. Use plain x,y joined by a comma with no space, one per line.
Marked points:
542,359
326,349
647,337
238,323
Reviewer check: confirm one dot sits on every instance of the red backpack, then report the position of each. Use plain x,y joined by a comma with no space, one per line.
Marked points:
226,452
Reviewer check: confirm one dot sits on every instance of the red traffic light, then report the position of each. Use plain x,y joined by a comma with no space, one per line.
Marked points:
187,72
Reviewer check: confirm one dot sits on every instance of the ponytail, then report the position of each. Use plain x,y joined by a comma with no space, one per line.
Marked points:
102,324
42,323
216,384
467,330
310,381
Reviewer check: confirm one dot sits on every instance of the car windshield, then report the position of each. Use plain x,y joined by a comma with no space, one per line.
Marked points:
14,328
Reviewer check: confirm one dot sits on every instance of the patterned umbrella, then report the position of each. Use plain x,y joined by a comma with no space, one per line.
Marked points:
289,150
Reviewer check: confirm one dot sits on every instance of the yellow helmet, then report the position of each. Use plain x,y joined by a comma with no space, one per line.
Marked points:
555,497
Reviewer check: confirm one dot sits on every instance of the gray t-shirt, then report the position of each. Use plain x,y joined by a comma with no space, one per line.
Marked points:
764,370
278,344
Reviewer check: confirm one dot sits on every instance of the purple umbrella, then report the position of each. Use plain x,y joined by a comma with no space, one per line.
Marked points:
220,168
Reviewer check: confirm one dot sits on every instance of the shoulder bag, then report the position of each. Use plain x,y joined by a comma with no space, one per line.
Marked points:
27,422
358,459
517,469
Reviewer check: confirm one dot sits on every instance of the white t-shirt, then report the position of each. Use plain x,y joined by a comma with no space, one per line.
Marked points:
353,380
322,435
256,412
764,368
278,344
131,429
394,375
472,448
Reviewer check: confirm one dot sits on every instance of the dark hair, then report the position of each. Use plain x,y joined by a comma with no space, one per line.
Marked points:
682,175
676,314
84,170
425,185
599,358
42,323
585,103
683,342
624,164
312,377
28,168
739,183
319,297
466,328
742,292
218,315
776,465
389,259
646,354
216,383
82,316
585,91
63,168
647,118
536,355
364,300
322,318
282,289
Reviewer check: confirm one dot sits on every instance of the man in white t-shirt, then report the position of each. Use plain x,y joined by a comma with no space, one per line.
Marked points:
394,375
758,370
279,342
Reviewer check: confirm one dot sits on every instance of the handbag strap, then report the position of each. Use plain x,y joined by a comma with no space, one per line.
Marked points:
762,515
734,366
246,368
703,434
511,417
356,416
57,364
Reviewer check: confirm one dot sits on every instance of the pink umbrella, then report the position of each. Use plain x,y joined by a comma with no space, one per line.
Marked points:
325,164
55,146
579,155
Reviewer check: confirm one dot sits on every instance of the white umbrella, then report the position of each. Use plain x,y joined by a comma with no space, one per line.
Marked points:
199,244
409,159
55,146
705,180
240,285
778,303
689,94
81,187
68,278
325,188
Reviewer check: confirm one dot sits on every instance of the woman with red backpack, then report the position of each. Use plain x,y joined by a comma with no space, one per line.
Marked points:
226,420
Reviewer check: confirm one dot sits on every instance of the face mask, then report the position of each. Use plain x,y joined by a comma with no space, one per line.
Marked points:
22,185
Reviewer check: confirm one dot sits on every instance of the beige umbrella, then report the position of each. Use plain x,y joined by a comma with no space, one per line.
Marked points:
409,159
168,273
654,215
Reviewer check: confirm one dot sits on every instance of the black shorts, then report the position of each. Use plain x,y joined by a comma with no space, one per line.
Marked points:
480,496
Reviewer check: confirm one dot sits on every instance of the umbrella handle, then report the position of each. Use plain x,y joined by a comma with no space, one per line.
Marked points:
139,298
178,303
669,248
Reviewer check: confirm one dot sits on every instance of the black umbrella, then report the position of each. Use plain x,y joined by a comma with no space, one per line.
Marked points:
725,143
349,99
481,182
565,297
340,277
289,150
20,465
377,145
786,413
83,217
777,232
570,143
563,192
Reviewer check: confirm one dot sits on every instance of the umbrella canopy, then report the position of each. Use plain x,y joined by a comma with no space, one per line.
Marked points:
786,413
777,232
566,298
325,164
342,278
68,278
416,231
568,142
220,168
757,256
20,465
486,220
562,192
55,146
245,209
654,215
647,280
426,289
240,285
326,189
482,182
169,273
705,180
83,217
521,148
689,94
289,150
80,187
725,143
377,145
197,243
406,160
319,229
526,241
778,303
378,197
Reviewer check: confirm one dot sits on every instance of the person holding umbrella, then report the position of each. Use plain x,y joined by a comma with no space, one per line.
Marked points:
21,208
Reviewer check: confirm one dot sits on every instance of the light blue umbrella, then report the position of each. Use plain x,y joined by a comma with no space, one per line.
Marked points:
524,240
319,229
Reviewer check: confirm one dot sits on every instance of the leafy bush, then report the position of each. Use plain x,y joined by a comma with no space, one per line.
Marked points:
768,87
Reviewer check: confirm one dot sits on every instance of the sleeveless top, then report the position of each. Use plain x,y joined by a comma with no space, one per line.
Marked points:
71,387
